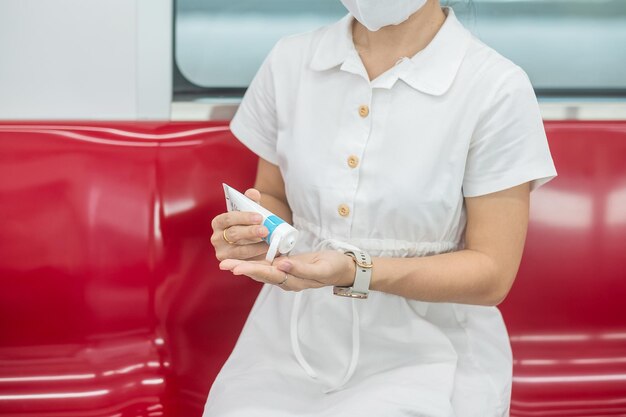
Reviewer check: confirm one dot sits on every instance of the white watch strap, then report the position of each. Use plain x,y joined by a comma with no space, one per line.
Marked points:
363,274
360,287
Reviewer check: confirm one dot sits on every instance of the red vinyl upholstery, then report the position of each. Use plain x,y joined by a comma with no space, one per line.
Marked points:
111,302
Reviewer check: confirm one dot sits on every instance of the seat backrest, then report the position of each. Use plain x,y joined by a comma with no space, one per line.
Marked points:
573,274
107,275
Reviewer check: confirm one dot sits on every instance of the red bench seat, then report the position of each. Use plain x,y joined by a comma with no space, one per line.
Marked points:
111,302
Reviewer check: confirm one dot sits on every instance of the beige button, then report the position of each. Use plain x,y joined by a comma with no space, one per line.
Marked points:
344,210
353,161
364,111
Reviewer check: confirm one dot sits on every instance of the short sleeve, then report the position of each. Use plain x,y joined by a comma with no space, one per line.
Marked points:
509,145
255,123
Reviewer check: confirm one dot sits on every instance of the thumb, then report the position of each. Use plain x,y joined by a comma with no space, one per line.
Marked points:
253,194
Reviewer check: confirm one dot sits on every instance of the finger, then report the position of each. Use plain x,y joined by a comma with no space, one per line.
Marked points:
253,194
316,270
232,263
259,257
296,284
233,218
230,237
243,235
262,271
279,257
259,271
251,251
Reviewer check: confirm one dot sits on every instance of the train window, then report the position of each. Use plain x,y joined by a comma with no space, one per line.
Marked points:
220,44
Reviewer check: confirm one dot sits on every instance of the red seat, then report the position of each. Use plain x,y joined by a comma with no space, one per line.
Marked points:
111,302
566,313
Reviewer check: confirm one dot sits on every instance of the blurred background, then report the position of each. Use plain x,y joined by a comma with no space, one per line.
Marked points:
114,142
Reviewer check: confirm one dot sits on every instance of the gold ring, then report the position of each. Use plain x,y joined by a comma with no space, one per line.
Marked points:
283,281
226,239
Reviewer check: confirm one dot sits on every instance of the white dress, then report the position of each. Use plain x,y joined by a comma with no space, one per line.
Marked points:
384,166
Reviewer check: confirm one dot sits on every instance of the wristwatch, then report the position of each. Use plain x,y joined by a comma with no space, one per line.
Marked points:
361,286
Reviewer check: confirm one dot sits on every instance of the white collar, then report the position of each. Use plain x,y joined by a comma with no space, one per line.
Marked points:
432,70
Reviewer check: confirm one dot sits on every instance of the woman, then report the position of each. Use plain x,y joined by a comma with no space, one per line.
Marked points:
421,166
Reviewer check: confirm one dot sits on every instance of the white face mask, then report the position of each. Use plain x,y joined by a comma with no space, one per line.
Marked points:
374,14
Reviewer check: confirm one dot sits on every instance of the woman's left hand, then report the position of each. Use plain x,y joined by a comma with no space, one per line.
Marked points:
298,272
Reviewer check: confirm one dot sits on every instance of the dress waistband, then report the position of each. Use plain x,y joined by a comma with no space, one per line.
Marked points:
377,247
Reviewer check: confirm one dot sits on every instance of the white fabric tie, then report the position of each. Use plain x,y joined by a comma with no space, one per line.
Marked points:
356,332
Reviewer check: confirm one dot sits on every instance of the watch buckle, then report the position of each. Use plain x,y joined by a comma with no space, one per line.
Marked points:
348,292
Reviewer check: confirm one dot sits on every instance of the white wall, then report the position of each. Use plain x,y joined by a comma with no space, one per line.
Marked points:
85,59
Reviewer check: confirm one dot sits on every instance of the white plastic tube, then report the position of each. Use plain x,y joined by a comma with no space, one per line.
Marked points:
282,237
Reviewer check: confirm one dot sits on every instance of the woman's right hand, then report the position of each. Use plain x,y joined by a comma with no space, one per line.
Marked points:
238,234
